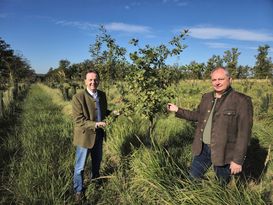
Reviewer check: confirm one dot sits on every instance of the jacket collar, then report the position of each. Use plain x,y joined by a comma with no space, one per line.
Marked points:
228,90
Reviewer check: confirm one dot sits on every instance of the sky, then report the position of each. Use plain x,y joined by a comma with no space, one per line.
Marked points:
47,31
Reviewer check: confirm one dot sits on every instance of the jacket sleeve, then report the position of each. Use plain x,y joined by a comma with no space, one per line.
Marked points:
78,116
191,115
187,114
245,123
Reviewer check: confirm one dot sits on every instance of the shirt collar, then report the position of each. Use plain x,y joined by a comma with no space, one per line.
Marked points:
94,95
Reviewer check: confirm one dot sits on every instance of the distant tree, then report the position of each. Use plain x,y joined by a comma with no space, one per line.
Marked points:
195,70
59,75
213,62
6,57
53,77
22,69
13,67
243,72
263,67
63,70
64,64
84,67
231,59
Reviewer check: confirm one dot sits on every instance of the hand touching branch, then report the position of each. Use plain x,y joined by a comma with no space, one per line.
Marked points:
172,107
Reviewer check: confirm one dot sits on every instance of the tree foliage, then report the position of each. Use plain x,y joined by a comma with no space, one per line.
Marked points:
213,62
13,67
263,67
108,57
195,70
148,82
231,59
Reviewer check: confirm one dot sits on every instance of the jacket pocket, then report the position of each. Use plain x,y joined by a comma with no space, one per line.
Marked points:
230,113
231,120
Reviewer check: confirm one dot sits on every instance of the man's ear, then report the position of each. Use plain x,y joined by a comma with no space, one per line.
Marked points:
230,80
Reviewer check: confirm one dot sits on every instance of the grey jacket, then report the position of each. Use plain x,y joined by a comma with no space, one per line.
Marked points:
231,126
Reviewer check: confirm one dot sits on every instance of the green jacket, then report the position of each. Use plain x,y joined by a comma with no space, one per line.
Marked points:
84,117
231,126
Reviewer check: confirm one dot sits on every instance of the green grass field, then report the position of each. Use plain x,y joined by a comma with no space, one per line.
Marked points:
133,170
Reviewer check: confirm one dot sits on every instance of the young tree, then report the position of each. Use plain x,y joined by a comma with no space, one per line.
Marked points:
263,67
147,84
107,56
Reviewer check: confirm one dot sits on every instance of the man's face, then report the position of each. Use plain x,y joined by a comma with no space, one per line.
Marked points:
220,81
92,81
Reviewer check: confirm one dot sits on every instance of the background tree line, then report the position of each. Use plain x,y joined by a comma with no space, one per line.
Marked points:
14,68
111,61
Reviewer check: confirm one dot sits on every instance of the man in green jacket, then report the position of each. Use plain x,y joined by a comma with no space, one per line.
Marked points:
89,108
224,121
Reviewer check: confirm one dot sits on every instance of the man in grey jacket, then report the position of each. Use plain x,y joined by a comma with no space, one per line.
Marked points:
224,121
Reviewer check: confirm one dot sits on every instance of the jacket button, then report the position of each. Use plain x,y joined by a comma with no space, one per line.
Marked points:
202,130
208,110
205,120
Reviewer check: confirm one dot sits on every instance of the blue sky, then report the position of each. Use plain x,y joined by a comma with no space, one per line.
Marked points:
46,31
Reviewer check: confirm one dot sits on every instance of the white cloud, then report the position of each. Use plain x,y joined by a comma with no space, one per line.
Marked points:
234,34
217,45
77,24
176,2
128,28
132,5
114,26
182,4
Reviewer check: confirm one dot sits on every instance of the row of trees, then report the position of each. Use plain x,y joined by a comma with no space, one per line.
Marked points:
14,68
262,69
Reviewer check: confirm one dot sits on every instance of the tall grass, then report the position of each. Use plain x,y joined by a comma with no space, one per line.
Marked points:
134,171
158,174
41,171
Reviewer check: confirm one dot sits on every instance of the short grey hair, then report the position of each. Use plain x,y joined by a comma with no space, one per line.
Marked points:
223,68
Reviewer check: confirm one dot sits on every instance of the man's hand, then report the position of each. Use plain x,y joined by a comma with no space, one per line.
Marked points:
100,124
172,107
235,168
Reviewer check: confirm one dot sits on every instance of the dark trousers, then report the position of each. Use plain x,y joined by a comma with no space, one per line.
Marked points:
202,163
